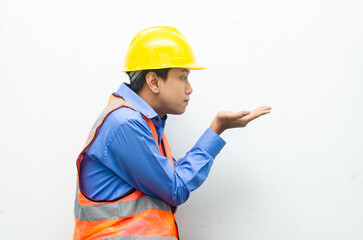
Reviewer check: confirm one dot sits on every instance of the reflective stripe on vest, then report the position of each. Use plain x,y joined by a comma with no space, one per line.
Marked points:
135,216
140,238
123,209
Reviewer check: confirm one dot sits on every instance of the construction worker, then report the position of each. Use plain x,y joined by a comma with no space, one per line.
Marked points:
128,182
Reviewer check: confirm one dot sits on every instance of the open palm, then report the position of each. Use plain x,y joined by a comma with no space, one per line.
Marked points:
226,119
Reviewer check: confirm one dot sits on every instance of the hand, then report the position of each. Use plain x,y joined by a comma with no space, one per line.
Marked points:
225,120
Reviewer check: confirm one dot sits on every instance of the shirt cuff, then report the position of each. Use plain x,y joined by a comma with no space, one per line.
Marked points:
211,142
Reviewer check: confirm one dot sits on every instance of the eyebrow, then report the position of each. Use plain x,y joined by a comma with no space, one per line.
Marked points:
186,70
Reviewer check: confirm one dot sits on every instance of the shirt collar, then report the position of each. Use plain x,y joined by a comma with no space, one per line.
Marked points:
135,100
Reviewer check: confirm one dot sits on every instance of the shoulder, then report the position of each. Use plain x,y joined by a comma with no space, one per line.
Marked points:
124,115
119,124
124,118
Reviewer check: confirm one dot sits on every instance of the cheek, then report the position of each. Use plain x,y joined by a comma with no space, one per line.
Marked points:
169,98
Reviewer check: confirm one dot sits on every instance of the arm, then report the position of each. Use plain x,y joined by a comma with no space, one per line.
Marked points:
132,154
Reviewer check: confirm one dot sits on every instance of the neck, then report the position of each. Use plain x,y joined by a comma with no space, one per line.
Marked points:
151,99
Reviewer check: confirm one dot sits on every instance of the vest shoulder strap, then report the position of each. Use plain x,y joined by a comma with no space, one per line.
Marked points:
113,104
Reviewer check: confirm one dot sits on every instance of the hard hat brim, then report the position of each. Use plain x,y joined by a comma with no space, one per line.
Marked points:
196,66
191,66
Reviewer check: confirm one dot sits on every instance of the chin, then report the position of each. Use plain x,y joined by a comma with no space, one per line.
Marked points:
178,112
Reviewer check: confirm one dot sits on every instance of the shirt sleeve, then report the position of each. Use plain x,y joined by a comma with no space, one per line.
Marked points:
133,155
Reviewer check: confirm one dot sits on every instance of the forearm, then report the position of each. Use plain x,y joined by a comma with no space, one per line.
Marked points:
137,161
195,166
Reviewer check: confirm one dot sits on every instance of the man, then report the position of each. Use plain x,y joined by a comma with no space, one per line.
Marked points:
128,183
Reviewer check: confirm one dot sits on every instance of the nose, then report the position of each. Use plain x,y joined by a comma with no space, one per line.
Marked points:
188,88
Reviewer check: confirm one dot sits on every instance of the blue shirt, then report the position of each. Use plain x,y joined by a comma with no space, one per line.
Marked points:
124,157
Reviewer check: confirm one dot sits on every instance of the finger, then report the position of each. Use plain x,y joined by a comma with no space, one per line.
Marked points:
245,113
260,113
260,110
254,115
263,108
263,113
242,114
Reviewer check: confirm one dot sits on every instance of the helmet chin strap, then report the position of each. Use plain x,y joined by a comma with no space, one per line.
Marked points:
134,75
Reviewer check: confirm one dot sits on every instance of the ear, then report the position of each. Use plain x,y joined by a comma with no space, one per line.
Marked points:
152,80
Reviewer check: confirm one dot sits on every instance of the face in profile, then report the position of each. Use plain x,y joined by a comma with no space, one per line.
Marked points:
175,91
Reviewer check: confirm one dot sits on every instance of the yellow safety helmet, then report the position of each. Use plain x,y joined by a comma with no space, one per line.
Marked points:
160,47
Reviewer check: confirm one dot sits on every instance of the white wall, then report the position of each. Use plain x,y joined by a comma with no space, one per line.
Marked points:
293,174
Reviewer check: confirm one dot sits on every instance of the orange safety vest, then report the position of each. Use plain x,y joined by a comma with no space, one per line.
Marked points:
134,216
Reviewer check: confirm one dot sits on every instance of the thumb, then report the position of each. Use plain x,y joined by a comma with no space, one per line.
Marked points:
243,113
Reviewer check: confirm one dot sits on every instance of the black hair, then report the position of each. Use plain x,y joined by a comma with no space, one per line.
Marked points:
137,84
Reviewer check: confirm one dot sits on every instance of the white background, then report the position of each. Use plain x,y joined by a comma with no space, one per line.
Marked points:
293,174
